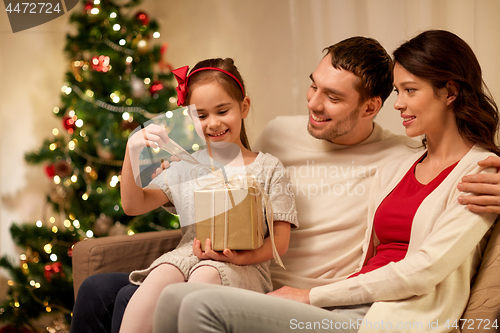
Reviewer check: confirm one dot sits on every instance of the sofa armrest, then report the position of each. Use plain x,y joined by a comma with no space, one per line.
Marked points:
122,253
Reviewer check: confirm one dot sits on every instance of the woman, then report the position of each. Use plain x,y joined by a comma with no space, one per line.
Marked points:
422,248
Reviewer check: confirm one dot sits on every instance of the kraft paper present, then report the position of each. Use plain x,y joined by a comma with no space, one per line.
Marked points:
231,216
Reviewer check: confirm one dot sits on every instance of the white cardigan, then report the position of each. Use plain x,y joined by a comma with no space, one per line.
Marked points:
432,282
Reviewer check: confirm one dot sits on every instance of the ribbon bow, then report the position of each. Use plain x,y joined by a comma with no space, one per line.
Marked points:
180,75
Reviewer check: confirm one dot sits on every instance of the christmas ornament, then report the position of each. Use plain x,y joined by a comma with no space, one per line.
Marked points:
53,270
102,225
155,87
69,124
88,6
62,168
142,17
100,63
50,171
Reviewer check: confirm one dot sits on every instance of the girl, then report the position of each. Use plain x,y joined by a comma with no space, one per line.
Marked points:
217,90
422,247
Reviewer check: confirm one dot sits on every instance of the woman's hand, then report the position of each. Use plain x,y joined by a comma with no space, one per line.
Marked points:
227,255
152,135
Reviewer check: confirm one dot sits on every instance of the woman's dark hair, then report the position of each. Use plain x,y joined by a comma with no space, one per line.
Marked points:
227,82
440,57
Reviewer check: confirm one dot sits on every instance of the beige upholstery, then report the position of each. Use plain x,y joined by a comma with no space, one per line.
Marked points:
126,253
120,253
484,301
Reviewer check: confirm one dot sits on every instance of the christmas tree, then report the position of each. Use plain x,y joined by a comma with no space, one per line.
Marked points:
116,81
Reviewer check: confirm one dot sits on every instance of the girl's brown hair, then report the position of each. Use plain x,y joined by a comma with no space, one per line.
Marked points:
441,56
227,82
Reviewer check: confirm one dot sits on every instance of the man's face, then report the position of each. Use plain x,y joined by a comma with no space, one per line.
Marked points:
333,102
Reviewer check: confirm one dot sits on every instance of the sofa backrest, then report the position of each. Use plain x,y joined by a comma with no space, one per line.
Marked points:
484,301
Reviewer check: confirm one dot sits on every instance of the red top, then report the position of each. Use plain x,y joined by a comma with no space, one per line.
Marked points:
394,217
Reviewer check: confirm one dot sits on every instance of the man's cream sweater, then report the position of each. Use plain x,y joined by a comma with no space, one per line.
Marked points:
331,184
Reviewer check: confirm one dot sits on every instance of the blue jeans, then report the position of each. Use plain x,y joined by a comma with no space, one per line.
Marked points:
101,302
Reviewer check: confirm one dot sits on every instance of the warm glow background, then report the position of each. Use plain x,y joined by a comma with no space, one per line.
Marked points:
275,43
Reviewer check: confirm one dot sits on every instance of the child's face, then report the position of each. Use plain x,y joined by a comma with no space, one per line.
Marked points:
219,114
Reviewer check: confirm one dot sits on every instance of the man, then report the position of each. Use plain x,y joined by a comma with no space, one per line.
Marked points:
331,156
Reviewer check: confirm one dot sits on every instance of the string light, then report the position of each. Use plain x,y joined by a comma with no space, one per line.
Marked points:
85,196
94,11
47,248
156,34
55,229
147,80
55,131
169,114
53,257
52,146
116,27
67,223
57,180
55,110
89,234
122,42
39,224
52,219
112,15
76,223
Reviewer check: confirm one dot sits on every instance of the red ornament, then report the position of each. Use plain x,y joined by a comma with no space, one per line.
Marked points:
53,269
143,17
50,170
69,124
88,6
100,63
155,87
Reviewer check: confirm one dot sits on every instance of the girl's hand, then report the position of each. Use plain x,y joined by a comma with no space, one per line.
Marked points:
152,135
227,255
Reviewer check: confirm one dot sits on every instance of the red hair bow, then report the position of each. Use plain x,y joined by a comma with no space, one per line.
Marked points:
182,89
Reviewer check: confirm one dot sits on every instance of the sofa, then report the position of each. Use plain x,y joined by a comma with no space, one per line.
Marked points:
126,253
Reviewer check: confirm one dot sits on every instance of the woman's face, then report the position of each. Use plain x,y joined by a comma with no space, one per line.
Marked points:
424,110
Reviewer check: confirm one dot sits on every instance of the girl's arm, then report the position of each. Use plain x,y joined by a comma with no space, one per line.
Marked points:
248,257
135,199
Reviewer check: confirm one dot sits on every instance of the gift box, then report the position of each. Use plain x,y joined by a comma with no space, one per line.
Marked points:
231,217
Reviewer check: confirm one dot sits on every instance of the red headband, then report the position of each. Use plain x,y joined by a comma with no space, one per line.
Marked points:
182,80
